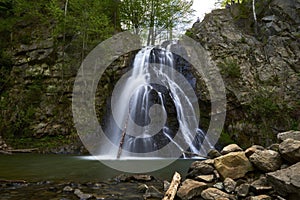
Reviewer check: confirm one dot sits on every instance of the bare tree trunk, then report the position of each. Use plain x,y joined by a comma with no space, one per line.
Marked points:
254,17
171,192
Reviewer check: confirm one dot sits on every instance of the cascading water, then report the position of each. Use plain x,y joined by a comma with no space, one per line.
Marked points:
156,112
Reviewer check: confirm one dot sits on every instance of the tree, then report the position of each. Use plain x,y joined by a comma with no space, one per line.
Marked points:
157,16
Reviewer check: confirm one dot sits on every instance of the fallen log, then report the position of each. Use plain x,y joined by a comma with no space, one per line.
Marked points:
22,150
171,192
122,137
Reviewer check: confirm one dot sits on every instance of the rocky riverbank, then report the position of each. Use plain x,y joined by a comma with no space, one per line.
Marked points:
255,173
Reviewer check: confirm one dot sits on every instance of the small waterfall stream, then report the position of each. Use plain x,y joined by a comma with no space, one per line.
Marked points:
155,111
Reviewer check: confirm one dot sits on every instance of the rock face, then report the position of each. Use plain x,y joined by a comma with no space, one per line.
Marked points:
233,165
190,189
267,160
290,150
257,68
286,181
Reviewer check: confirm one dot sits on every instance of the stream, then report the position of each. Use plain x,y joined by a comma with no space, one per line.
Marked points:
47,176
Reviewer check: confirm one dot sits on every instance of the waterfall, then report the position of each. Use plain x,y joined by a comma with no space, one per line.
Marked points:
155,111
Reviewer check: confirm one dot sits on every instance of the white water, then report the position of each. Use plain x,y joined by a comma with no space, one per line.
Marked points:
141,113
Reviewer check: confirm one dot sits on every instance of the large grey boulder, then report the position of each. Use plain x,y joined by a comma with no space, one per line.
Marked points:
267,160
233,165
295,135
286,181
190,188
290,150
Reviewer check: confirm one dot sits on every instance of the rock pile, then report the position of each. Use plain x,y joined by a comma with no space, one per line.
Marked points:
257,173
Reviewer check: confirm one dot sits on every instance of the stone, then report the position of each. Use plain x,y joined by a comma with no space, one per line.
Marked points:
233,165
199,168
295,135
266,160
215,194
260,197
229,185
260,186
190,188
286,181
153,192
274,147
205,178
219,185
68,189
231,148
142,188
213,153
290,150
253,149
142,177
269,18
243,189
81,195
166,185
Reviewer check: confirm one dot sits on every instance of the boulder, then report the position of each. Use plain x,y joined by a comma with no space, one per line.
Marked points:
199,168
214,194
286,181
233,165
290,150
253,149
231,148
205,178
153,192
243,190
81,195
190,188
260,186
229,185
260,197
267,160
295,135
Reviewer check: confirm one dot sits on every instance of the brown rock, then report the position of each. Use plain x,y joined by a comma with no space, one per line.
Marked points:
214,194
233,165
260,186
243,189
260,197
231,148
253,149
266,160
286,181
295,135
290,150
190,188
200,168
229,185
205,178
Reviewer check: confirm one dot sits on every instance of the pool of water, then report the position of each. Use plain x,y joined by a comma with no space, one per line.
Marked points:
38,167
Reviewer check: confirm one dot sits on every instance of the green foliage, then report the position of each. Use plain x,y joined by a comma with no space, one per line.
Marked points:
230,68
225,139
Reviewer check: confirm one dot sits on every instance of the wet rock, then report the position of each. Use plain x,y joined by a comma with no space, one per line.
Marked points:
286,181
260,186
231,148
205,178
260,197
142,177
295,135
219,185
229,185
142,188
68,189
166,185
81,195
214,194
267,160
153,192
243,190
290,150
213,153
199,168
190,188
233,165
127,178
253,149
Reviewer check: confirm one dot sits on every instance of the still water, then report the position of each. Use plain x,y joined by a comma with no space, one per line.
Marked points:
38,167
